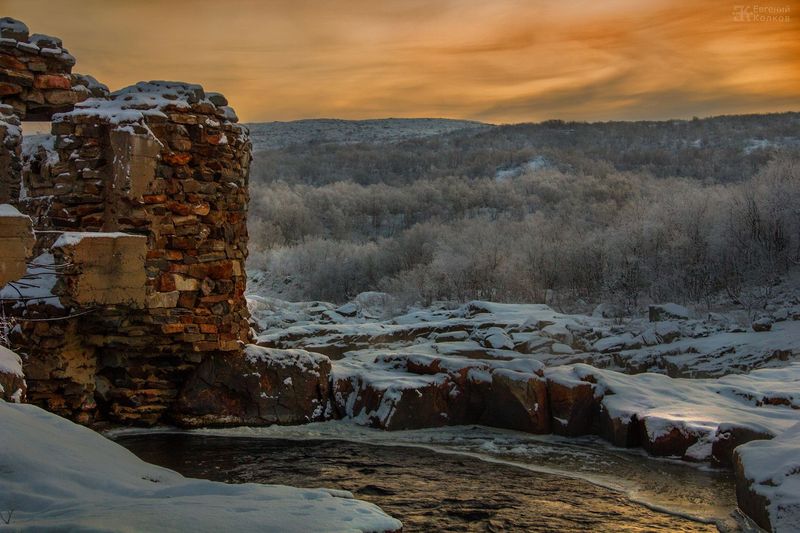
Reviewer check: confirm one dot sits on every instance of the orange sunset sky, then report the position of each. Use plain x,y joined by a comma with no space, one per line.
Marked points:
495,61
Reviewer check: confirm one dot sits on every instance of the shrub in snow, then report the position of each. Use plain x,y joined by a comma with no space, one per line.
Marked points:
668,311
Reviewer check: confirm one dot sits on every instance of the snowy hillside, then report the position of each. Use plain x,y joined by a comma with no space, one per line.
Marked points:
277,135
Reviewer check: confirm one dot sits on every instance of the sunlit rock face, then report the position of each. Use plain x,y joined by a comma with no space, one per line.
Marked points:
768,481
267,386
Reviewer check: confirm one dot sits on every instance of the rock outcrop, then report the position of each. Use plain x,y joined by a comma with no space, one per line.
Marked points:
266,386
768,481
407,392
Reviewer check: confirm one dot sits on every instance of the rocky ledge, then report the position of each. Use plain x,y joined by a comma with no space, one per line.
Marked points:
266,386
725,421
768,481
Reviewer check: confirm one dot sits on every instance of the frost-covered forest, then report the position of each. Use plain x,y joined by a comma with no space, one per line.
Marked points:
561,213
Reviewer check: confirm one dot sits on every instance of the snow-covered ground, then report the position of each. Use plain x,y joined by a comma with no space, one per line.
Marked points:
707,346
57,475
678,383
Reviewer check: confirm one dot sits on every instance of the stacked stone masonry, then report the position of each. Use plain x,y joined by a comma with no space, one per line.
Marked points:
140,199
36,81
10,154
36,73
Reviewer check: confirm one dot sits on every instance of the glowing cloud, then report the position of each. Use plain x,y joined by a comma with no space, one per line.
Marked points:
500,61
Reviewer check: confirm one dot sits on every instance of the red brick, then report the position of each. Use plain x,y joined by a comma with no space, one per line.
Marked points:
170,329
51,81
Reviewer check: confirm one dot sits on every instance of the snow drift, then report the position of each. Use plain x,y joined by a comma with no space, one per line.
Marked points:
56,474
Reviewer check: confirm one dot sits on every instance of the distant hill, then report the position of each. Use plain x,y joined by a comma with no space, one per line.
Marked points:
277,135
396,151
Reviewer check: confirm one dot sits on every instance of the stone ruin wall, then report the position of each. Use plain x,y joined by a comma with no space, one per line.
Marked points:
140,202
36,81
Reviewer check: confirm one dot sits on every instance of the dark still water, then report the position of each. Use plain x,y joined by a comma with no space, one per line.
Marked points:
428,491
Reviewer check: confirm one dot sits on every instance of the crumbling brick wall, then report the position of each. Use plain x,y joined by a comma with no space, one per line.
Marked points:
36,81
168,162
36,73
164,161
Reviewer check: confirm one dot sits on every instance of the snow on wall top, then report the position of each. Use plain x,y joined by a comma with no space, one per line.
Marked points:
14,33
45,41
8,210
10,26
137,102
91,84
70,238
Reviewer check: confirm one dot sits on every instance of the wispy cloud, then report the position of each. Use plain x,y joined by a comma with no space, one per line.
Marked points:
501,61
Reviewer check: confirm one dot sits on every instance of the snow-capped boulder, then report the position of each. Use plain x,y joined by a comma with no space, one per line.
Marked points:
497,338
626,341
763,324
561,349
392,399
410,391
693,419
573,405
516,400
559,333
350,309
266,386
768,481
